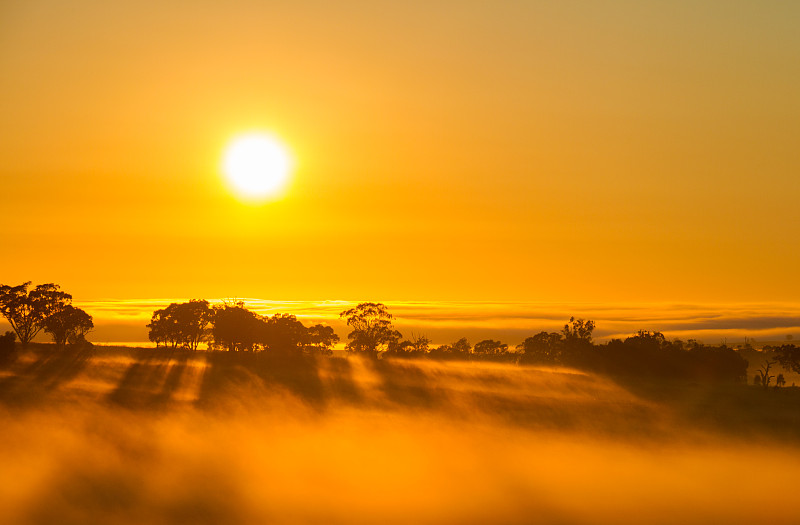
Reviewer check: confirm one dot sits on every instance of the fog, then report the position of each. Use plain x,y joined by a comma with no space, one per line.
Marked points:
150,437
511,322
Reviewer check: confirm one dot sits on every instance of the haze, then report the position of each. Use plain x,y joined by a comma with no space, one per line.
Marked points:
526,151
440,262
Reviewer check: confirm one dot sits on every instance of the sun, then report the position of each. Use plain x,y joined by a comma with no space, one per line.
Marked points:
257,166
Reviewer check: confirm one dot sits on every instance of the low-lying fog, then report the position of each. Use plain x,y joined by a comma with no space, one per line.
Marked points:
134,437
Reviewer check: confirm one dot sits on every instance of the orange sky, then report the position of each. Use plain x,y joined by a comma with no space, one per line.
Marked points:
446,151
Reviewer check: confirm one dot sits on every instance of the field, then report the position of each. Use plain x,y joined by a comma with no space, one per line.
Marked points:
125,436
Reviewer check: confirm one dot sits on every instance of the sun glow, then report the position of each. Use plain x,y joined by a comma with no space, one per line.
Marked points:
257,166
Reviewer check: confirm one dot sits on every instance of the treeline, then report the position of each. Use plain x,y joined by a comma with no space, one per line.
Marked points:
643,354
234,328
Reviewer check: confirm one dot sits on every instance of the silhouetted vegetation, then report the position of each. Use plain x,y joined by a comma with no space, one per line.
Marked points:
457,350
372,328
283,333
541,349
69,324
491,350
181,324
644,354
27,312
787,355
233,327
417,346
651,354
320,339
237,329
763,377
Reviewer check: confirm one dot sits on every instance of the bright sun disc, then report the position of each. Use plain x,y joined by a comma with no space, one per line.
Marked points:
257,166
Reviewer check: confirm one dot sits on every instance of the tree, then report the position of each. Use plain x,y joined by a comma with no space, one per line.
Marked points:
577,344
68,324
788,356
161,329
237,328
417,346
181,324
284,333
420,344
320,339
192,320
27,312
461,347
541,348
763,376
399,349
490,347
579,331
372,328
457,350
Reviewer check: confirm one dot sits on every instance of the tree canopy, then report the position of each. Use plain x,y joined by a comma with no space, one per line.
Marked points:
788,355
372,328
542,348
320,339
26,311
69,324
181,324
236,328
490,347
283,333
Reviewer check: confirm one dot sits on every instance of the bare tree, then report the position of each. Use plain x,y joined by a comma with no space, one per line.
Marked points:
763,376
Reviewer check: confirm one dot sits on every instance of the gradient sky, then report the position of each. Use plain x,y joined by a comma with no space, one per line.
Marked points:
446,151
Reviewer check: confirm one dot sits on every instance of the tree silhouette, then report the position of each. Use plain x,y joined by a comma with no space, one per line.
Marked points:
161,329
68,324
236,328
181,324
788,356
763,376
457,350
283,333
193,319
461,347
578,330
417,346
372,328
489,347
543,348
27,312
577,349
320,339
420,344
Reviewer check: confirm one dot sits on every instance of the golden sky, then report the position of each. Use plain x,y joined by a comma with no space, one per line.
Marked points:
445,151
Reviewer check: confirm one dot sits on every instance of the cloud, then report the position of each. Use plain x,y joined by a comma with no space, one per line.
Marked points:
445,321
